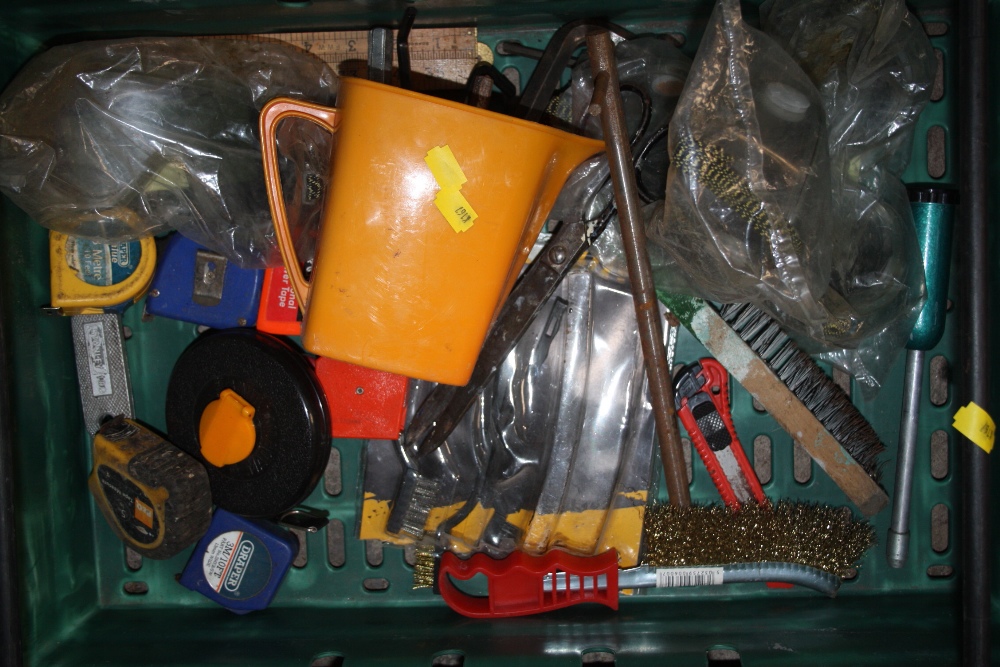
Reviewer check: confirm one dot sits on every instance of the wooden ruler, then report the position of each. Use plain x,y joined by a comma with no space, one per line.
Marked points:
439,57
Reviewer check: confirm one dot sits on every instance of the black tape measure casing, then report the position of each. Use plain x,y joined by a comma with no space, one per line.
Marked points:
292,443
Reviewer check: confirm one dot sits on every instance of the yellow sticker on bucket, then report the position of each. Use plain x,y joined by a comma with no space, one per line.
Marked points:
449,176
976,424
455,209
445,167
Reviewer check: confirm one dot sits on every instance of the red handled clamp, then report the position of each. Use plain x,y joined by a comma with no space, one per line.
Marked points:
701,394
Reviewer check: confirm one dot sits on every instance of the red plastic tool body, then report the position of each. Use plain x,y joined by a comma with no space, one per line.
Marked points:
517,584
714,385
279,308
364,403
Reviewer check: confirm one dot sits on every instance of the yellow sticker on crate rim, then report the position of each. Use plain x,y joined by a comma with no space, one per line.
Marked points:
976,424
453,205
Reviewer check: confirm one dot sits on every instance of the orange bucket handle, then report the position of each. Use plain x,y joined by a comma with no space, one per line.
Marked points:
273,112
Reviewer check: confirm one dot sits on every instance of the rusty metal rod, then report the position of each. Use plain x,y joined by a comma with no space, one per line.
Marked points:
640,272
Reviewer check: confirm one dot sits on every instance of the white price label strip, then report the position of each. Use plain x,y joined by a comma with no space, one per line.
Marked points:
688,576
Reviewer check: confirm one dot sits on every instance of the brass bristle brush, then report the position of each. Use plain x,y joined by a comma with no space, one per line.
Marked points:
822,537
809,545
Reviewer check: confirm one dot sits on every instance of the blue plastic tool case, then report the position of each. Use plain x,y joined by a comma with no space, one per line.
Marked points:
197,285
240,562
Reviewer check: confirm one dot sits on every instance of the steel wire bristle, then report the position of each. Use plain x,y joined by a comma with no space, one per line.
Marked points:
807,381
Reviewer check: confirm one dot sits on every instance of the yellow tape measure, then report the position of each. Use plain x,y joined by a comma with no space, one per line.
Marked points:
445,56
156,498
89,277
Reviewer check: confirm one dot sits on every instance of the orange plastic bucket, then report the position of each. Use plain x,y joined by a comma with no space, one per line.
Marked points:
430,214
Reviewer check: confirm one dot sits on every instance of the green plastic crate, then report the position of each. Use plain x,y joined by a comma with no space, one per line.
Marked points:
72,580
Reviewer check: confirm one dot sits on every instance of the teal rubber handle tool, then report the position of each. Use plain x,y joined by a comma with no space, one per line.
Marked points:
933,216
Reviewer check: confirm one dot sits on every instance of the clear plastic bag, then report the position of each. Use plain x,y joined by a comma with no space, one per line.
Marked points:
454,467
652,73
758,147
747,209
116,140
649,64
874,67
595,488
557,452
877,290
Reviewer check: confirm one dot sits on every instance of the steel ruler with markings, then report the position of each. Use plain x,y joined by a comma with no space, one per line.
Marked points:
440,57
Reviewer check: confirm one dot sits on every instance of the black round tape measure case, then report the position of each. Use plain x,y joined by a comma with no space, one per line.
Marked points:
282,404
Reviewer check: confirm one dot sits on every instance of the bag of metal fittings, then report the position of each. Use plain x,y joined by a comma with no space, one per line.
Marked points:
557,452
787,195
117,140
874,66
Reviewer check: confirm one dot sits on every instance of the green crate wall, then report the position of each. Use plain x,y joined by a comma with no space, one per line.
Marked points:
73,576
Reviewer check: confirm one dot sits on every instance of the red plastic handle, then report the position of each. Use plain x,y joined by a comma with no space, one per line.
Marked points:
717,388
517,582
